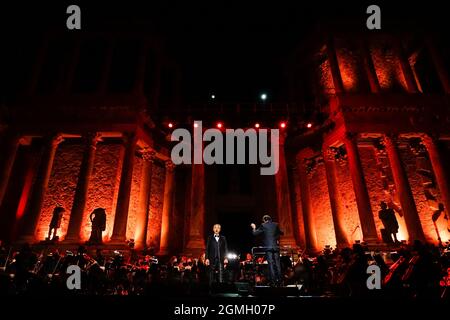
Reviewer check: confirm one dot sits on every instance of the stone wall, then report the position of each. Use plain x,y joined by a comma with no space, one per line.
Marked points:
134,198
321,207
352,71
345,187
156,205
387,67
61,187
374,182
103,188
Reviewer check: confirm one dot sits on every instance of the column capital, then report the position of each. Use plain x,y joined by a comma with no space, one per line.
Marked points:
128,137
379,145
92,138
338,154
148,155
170,166
419,147
55,139
312,163
350,137
429,138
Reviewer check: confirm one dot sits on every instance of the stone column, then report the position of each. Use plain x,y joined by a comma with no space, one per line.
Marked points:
431,143
196,241
406,68
334,66
283,200
439,65
299,208
11,145
308,217
369,67
148,157
361,194
31,217
123,198
169,191
81,192
335,198
406,198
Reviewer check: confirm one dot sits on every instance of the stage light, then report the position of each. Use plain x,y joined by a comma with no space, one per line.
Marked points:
263,97
195,125
219,125
170,125
283,125
232,256
257,125
213,96
309,125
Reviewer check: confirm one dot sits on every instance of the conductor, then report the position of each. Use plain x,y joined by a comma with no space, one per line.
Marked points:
271,234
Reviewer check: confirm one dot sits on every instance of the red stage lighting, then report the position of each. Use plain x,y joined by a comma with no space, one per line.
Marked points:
219,125
309,125
257,125
170,125
283,125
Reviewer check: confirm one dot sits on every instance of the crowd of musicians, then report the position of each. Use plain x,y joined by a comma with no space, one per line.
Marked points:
421,270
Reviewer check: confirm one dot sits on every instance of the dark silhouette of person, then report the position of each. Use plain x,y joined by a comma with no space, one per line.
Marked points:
216,254
271,234
98,220
55,223
436,214
387,216
441,210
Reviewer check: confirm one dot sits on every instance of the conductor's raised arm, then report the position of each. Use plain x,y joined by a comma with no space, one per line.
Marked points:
256,231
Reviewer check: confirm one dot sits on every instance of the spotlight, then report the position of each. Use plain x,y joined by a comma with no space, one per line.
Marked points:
195,125
213,96
219,125
170,125
283,125
232,256
309,125
257,125
263,97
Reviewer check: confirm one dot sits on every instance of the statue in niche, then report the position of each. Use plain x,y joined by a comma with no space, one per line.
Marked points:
390,223
55,223
98,220
436,214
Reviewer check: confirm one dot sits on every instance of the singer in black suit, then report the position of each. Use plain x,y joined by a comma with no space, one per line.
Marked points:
271,234
216,254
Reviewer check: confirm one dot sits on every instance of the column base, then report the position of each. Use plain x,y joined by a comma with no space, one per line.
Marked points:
195,246
71,240
117,241
26,239
312,251
163,251
371,241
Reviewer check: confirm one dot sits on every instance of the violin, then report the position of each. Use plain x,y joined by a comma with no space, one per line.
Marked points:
393,269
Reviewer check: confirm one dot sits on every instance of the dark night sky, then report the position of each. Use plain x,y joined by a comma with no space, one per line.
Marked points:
233,50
